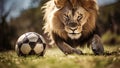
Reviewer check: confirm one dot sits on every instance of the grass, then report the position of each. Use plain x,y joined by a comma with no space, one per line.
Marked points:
109,37
54,58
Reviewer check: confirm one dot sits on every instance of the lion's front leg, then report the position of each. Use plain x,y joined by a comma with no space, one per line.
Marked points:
67,49
96,45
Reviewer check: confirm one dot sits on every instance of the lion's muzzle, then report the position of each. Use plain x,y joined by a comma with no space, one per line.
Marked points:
73,30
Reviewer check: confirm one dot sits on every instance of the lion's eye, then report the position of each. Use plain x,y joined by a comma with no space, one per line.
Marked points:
79,17
66,17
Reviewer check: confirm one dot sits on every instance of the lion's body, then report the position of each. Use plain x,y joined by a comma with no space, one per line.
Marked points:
70,21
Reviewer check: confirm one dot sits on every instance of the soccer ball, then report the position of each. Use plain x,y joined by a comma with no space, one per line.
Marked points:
30,43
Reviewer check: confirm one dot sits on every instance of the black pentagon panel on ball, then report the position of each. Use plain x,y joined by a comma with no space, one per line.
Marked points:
19,44
39,40
32,44
32,52
25,40
44,45
44,49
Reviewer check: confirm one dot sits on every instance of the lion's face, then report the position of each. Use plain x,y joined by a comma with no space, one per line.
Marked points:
70,18
73,21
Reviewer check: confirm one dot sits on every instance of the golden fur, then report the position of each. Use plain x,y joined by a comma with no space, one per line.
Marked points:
54,17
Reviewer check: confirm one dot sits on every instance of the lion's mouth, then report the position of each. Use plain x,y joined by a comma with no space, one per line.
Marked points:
74,35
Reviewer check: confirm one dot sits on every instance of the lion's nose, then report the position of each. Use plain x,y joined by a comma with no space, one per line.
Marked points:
73,24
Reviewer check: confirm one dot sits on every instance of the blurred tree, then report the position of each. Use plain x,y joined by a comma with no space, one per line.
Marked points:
109,20
109,17
6,31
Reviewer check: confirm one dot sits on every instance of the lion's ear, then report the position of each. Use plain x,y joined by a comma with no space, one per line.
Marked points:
90,4
60,3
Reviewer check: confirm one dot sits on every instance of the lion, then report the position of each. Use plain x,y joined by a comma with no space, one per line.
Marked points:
72,23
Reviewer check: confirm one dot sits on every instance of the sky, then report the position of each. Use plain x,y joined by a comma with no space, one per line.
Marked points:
16,7
20,5
105,2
